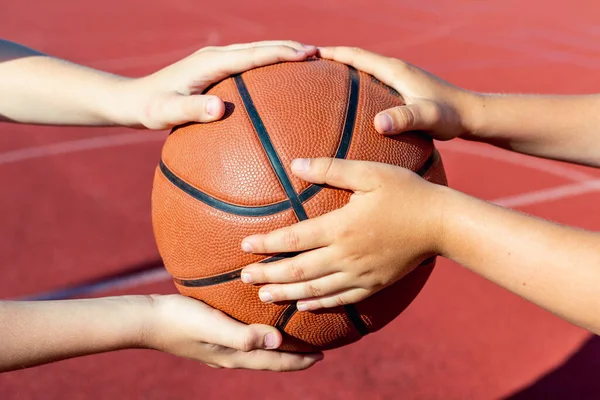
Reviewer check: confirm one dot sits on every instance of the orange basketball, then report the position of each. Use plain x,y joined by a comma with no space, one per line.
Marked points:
220,182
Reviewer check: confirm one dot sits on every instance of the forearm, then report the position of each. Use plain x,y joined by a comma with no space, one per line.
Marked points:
39,89
554,266
557,127
34,333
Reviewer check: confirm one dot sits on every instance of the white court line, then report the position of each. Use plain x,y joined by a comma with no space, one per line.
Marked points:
550,194
75,146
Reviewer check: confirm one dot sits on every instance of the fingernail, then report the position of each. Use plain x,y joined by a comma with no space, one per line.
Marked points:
247,247
265,296
212,107
316,357
385,122
308,46
300,164
302,307
270,341
301,53
246,277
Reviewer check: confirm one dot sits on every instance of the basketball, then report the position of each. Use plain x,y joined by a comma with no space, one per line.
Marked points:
220,182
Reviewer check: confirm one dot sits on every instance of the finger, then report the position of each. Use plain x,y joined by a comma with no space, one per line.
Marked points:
420,115
354,175
239,46
381,67
310,265
226,63
179,109
324,286
225,331
272,360
304,235
350,296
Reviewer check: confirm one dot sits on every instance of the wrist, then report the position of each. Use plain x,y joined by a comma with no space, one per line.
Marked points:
150,335
473,112
452,210
121,105
137,320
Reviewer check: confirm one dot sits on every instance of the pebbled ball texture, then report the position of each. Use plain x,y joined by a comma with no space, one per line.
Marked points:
220,182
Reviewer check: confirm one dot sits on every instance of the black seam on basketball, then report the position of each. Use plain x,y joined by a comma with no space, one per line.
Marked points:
433,158
260,211
250,211
356,320
270,151
309,193
210,281
347,132
350,119
351,311
227,276
285,317
341,152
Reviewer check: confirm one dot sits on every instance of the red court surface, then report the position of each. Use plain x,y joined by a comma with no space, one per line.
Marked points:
76,202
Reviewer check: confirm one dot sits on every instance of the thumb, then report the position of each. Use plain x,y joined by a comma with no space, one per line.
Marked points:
422,115
179,109
345,174
255,337
226,331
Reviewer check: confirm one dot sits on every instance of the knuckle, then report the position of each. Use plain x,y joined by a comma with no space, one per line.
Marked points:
352,258
229,363
248,341
373,281
291,240
404,116
339,301
312,290
330,168
297,272
291,43
279,366
286,365
266,243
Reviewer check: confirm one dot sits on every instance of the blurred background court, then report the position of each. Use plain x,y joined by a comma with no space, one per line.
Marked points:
76,202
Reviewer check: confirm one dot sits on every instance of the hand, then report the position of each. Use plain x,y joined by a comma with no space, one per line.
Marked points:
392,223
172,96
189,328
432,105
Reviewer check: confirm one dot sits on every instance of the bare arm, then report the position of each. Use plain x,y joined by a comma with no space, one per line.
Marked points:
558,127
554,266
40,89
35,333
